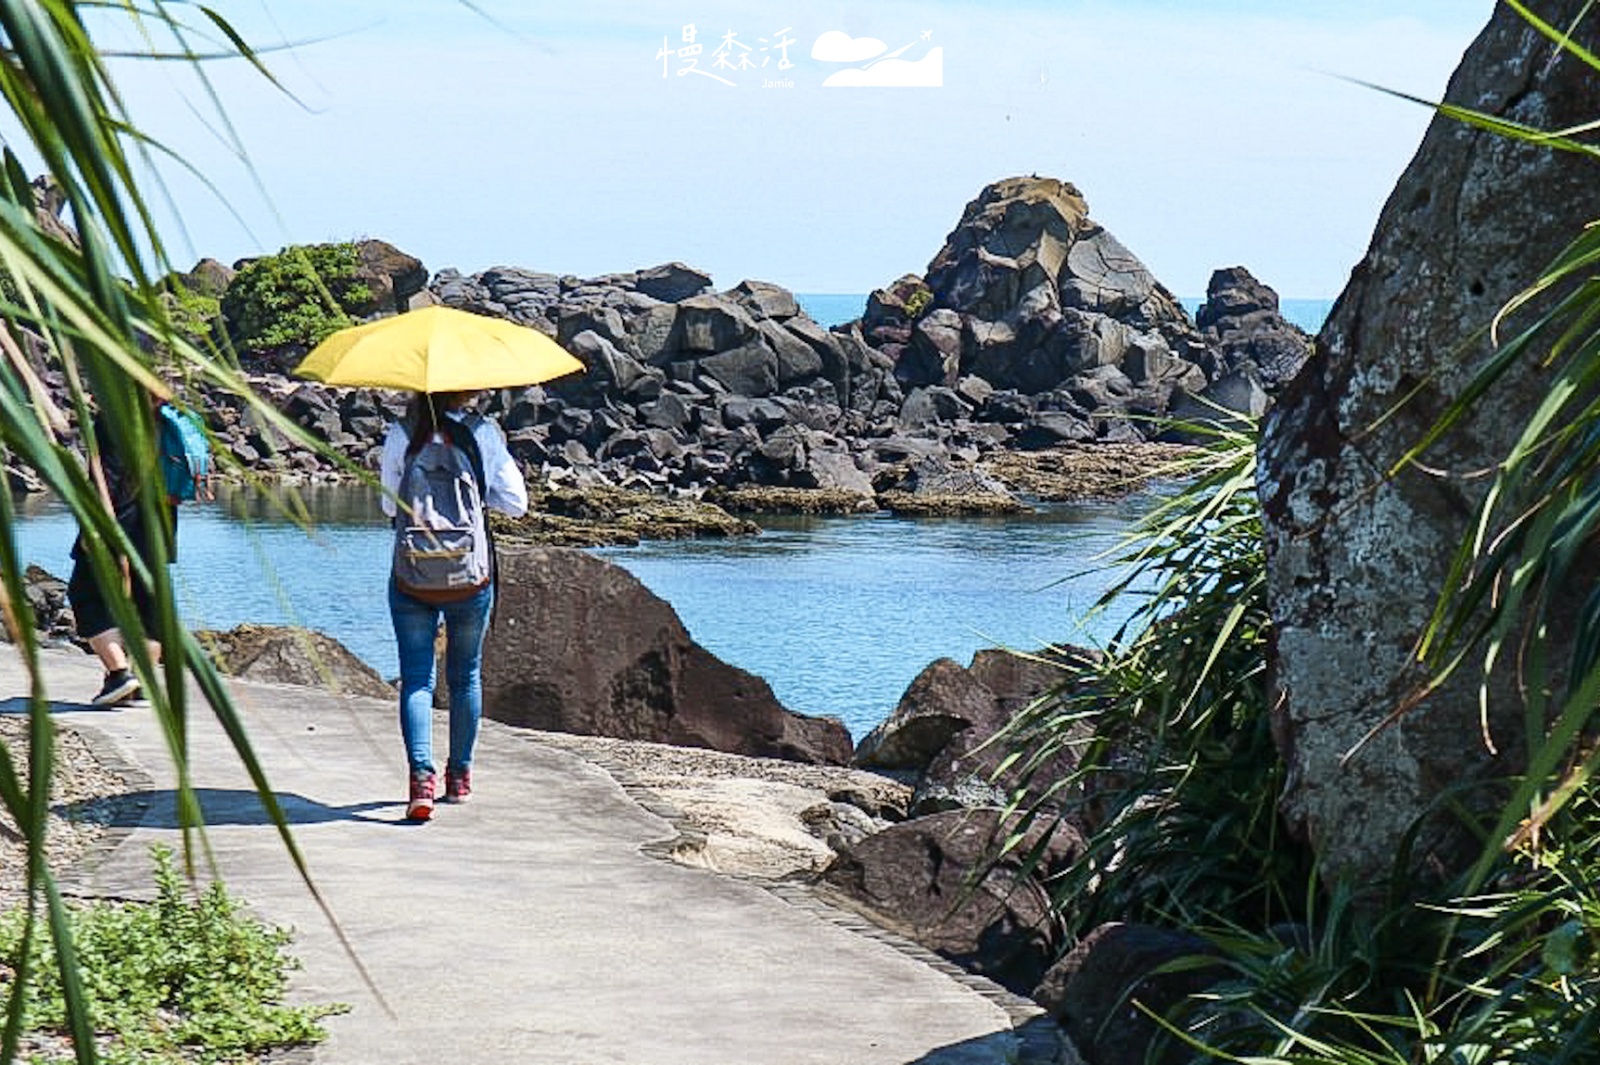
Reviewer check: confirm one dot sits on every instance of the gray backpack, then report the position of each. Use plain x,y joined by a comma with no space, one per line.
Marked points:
441,537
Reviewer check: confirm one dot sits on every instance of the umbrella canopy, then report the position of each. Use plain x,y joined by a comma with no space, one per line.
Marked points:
437,349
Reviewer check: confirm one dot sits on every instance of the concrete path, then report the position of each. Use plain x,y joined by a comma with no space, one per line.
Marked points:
528,925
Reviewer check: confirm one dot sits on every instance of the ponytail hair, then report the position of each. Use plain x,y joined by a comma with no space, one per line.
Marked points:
420,421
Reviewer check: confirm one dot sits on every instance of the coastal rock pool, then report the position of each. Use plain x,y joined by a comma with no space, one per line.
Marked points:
837,614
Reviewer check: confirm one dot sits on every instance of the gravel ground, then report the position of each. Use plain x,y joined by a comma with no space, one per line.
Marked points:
82,803
752,817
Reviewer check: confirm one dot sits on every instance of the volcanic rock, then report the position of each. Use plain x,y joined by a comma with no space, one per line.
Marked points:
1358,547
581,646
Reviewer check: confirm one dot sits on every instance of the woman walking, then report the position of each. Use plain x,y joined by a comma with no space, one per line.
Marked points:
441,468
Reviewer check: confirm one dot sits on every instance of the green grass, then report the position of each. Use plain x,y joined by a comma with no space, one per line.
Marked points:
186,978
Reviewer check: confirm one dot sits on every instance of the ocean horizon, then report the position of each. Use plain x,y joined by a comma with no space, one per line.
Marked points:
829,309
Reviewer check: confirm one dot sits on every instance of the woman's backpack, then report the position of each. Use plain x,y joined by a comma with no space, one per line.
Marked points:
441,536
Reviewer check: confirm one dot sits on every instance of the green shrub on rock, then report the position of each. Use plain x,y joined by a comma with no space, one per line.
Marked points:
294,298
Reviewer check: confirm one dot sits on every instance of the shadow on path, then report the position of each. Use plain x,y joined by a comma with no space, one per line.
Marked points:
17,706
242,806
1036,1042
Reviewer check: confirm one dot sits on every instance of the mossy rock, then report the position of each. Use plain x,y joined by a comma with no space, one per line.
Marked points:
938,504
609,516
292,655
1083,471
764,499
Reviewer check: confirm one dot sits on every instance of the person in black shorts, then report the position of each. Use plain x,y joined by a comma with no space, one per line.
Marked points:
91,615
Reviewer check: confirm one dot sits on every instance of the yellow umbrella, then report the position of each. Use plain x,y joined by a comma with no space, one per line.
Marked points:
437,349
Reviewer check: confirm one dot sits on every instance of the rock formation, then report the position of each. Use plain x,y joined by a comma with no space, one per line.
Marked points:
1356,557
1253,350
936,880
289,655
1034,329
579,645
942,735
1036,320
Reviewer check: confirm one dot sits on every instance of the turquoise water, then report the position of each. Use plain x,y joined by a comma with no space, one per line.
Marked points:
829,309
837,614
1308,314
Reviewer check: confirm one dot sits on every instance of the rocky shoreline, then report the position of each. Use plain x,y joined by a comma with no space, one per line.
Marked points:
1034,360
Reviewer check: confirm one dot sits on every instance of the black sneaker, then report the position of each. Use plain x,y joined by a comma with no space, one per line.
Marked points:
120,687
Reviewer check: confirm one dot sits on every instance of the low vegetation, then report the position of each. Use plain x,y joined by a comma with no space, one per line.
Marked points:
1178,786
186,978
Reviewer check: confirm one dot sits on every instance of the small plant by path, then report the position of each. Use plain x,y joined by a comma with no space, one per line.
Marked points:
185,978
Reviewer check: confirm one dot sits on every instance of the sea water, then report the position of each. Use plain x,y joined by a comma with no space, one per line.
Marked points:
837,614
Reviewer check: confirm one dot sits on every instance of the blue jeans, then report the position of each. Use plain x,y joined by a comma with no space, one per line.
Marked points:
415,624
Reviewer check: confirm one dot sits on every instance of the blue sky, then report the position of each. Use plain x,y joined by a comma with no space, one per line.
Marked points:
565,138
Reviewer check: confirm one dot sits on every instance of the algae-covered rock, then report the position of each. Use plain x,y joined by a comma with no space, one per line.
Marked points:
1084,471
768,499
608,516
942,504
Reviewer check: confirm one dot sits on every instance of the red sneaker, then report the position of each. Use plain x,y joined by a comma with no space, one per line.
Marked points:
457,785
423,787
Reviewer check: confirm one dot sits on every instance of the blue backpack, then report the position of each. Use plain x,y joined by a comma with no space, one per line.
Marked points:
185,454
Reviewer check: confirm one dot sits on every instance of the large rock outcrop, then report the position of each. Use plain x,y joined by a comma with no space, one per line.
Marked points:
1065,332
579,645
1356,557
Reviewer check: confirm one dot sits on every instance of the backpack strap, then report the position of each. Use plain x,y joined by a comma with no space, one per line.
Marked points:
462,435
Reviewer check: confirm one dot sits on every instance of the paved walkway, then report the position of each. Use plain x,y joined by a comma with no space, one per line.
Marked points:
528,925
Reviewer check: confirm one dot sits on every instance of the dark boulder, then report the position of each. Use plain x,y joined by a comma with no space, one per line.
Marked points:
672,282
713,323
942,881
750,369
765,300
943,700
391,276
1095,992
581,646
967,771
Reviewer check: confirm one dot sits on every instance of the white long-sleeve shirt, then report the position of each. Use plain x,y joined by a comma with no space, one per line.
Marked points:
506,491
